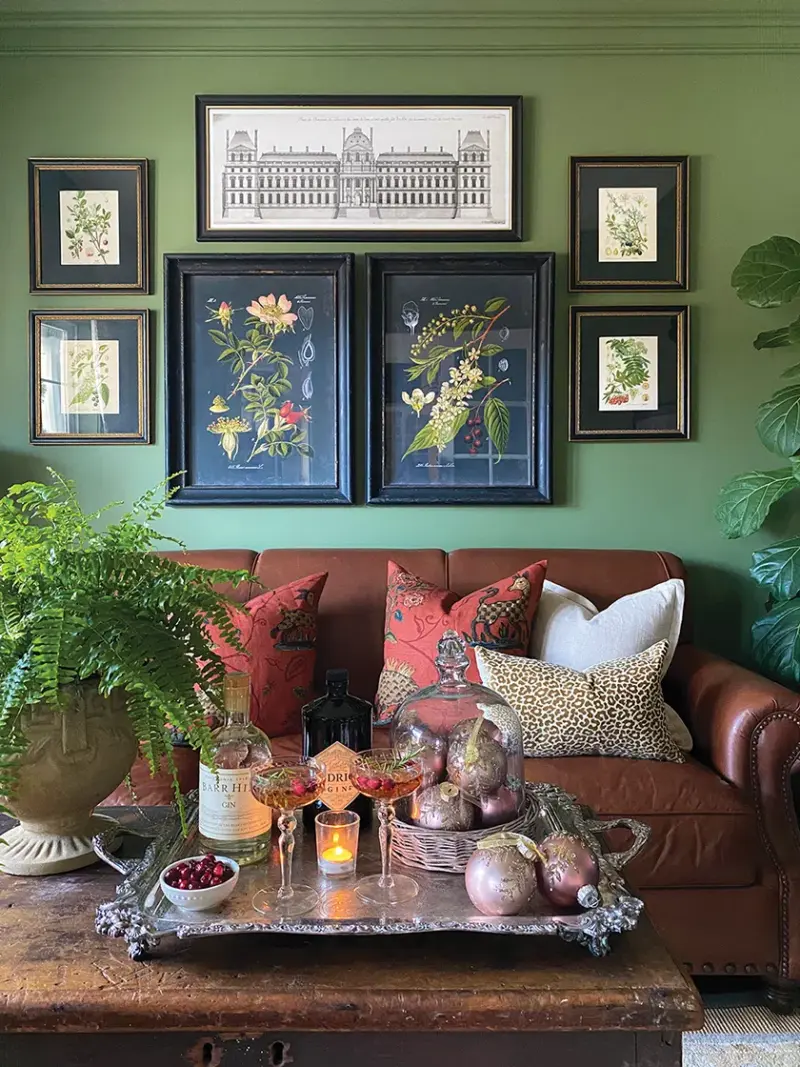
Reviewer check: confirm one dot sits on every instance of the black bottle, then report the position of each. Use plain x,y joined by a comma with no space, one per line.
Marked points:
341,718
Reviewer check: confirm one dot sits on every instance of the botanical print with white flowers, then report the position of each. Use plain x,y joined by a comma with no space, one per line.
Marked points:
627,225
252,408
89,222
465,395
90,377
628,374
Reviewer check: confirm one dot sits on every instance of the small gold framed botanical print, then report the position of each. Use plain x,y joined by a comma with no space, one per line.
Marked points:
628,223
88,225
89,378
629,377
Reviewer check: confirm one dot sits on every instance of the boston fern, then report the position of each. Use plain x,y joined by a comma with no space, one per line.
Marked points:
78,604
768,276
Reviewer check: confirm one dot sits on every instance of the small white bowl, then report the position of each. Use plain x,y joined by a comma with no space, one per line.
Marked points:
200,899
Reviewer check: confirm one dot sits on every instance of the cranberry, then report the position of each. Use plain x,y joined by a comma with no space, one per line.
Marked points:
219,870
183,884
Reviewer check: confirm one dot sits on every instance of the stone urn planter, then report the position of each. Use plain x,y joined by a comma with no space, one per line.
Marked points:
76,756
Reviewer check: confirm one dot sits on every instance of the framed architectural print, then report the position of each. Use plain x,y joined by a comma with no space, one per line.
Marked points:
359,168
258,378
629,223
629,374
88,225
459,365
89,378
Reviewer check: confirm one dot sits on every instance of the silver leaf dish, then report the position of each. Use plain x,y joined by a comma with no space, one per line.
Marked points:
148,921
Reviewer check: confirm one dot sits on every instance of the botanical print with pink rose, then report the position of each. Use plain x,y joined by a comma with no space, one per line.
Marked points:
260,376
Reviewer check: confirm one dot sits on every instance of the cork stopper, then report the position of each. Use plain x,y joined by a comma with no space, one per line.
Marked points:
236,692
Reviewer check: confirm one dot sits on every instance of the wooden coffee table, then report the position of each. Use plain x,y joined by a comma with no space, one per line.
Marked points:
73,998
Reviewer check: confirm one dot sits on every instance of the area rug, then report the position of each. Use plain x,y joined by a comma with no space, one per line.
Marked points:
744,1037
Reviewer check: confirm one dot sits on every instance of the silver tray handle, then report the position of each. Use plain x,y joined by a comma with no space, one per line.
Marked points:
641,835
105,843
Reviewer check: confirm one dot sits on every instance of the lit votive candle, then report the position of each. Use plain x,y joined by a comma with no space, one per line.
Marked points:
337,842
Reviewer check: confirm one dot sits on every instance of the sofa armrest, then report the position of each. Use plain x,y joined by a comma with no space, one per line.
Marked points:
747,728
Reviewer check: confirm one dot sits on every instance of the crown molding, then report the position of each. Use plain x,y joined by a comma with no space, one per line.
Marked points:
379,27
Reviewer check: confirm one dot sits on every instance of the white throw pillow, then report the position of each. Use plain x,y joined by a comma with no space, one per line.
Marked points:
568,630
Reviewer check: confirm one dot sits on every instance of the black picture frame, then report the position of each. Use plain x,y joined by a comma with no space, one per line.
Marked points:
364,162
321,282
662,411
521,476
89,378
629,223
89,226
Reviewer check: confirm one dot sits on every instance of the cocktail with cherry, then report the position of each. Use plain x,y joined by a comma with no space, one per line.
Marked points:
287,783
386,775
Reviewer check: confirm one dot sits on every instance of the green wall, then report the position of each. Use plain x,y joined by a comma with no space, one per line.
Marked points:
721,84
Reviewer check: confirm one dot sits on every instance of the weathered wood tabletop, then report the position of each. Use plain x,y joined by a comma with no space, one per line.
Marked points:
57,975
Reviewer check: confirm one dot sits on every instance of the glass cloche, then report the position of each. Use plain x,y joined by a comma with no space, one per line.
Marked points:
470,743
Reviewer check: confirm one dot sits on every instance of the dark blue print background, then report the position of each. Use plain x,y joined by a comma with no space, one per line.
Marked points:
456,466
207,377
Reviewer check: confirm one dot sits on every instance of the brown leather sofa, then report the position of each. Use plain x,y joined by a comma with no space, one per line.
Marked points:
721,873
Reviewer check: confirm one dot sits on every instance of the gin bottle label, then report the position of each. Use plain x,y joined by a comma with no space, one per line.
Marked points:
339,791
228,810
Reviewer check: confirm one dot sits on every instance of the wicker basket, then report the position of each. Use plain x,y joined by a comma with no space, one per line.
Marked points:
447,850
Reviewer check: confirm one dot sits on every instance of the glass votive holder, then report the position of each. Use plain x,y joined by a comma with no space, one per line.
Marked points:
337,842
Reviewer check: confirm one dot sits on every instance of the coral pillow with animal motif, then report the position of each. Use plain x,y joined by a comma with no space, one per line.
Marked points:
279,631
417,614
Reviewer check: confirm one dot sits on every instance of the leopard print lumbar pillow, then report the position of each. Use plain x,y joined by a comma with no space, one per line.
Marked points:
613,709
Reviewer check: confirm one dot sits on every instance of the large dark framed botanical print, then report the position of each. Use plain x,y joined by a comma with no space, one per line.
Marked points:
89,378
89,225
629,373
258,378
459,365
359,167
629,223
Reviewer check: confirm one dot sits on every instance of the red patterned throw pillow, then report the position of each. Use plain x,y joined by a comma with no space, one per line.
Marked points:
279,631
498,617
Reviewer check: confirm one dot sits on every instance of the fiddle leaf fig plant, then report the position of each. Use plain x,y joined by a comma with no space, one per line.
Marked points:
99,607
768,276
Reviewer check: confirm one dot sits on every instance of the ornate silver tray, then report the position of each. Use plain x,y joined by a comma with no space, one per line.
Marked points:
148,921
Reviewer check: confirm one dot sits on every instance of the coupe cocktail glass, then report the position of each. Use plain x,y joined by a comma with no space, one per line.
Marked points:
386,775
287,783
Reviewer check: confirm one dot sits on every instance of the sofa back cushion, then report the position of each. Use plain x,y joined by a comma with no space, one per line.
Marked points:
352,606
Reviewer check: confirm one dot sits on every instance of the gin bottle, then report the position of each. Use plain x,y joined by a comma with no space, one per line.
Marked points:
231,820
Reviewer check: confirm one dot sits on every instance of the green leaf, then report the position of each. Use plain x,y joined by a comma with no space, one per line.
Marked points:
745,501
425,438
777,569
218,337
491,350
780,338
778,423
487,380
768,274
459,326
105,393
776,641
493,305
498,422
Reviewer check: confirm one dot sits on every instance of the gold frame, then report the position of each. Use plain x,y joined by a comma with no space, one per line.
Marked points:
682,430
143,434
67,163
681,166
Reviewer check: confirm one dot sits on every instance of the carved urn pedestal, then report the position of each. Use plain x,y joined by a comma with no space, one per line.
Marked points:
76,756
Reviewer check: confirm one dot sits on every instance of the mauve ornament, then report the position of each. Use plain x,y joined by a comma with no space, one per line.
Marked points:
463,729
443,807
428,747
476,763
501,807
501,874
567,871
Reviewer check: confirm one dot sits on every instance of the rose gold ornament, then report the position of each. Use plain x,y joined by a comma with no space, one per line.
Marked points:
568,866
501,807
501,874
